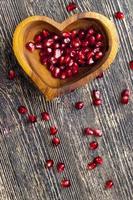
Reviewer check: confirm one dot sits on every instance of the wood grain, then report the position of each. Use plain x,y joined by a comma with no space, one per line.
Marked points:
25,147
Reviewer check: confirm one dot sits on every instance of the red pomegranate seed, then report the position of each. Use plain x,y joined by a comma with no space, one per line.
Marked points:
56,141
88,131
63,75
125,92
75,68
131,65
49,164
22,110
57,45
98,160
85,43
79,105
51,68
56,37
119,15
32,118
74,33
99,37
45,33
124,99
45,116
100,75
92,40
67,60
30,46
90,31
76,43
93,145
11,74
98,55
56,72
90,61
48,42
97,132
71,6
91,165
81,34
53,60
99,44
97,102
38,46
53,130
96,94
69,72
109,184
60,167
90,54
38,38
66,34
65,183
57,53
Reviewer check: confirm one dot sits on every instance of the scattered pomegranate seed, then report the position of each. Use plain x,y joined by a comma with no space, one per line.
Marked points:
49,163
93,145
125,92
91,165
53,130
60,167
30,46
100,75
11,74
124,99
32,118
97,132
71,6
79,105
98,160
65,183
96,94
45,116
22,110
119,15
131,65
88,131
56,141
109,184
97,102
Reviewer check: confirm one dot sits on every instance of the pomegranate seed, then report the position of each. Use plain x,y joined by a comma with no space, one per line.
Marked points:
44,61
65,183
49,42
63,75
75,68
74,33
71,6
60,167
91,165
100,75
96,50
56,72
66,40
125,92
69,72
124,99
97,132
90,54
45,116
92,40
97,102
99,37
38,38
49,164
90,61
22,110
76,43
53,60
96,94
81,34
79,105
45,33
49,50
32,118
93,145
38,46
30,46
11,74
119,15
90,31
51,68
99,44
85,43
88,131
98,55
131,65
67,60
66,34
57,45
53,130
56,37
56,141
109,184
98,160
57,53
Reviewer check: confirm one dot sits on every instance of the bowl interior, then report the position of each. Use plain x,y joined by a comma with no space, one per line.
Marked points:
33,60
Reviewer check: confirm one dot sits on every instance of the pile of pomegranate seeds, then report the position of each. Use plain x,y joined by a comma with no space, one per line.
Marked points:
125,96
71,6
64,54
11,74
79,105
119,15
109,184
131,65
96,96
94,132
22,110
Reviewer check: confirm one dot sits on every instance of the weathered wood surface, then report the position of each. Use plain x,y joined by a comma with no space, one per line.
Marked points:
24,147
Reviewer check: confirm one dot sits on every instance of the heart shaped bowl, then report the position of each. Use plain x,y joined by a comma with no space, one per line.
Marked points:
30,62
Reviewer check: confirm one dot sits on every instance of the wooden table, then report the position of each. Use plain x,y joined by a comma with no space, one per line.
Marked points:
25,147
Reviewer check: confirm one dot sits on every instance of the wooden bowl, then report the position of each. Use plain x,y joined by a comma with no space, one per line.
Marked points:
30,62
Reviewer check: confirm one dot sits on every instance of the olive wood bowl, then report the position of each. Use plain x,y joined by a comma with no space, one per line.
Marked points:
30,62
